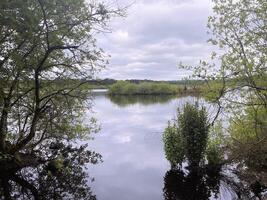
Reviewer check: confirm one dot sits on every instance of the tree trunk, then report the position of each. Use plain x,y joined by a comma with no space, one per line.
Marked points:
3,125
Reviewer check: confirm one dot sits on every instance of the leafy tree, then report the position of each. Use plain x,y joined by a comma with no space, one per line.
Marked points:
236,76
238,29
45,47
187,137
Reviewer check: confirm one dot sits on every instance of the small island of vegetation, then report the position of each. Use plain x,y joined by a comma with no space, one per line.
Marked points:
149,88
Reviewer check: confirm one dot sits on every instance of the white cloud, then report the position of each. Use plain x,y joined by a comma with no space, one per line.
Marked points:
155,36
120,36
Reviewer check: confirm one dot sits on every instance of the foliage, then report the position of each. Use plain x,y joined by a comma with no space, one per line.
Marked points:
250,125
173,144
45,47
212,91
187,136
236,77
144,88
194,129
248,133
238,29
214,151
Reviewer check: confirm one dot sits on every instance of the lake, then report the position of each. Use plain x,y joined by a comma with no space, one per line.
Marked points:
130,141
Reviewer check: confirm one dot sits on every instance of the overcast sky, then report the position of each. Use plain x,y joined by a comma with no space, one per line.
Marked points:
154,37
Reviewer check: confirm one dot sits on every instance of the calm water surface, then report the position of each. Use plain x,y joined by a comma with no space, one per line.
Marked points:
130,142
134,166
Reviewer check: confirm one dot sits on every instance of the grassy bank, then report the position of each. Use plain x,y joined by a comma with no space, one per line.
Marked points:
147,88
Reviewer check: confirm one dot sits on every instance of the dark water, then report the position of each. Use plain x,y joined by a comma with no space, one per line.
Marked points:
130,142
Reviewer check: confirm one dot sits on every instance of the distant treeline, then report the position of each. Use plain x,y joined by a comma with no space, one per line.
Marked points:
104,83
183,84
137,81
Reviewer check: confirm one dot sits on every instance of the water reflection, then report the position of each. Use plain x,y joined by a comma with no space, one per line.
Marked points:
126,100
130,142
134,164
194,185
61,175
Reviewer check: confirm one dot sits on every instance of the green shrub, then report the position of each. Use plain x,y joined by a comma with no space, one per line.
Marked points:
187,136
173,144
248,140
194,129
117,87
214,152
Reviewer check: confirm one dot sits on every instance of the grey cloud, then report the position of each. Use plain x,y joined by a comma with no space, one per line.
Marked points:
155,37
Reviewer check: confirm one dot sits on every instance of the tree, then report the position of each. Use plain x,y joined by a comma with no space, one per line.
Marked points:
237,77
187,137
238,29
47,52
